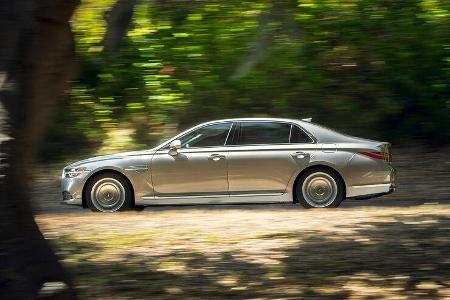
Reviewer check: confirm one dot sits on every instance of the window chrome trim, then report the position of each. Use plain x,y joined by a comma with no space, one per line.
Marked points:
265,145
235,123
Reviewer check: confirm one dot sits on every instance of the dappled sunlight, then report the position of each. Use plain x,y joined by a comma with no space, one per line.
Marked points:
354,253
85,78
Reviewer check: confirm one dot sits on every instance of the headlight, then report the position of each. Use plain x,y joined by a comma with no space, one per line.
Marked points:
74,172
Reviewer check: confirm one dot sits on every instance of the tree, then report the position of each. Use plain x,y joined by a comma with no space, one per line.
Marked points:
118,19
36,63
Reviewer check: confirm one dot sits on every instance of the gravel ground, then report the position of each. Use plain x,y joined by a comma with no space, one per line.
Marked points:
395,247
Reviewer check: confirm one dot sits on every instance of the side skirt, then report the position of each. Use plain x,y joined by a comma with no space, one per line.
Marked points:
216,199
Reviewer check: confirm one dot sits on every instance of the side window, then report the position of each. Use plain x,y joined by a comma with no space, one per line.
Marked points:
207,136
253,133
298,136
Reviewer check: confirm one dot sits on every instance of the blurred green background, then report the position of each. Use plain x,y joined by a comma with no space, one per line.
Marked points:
378,69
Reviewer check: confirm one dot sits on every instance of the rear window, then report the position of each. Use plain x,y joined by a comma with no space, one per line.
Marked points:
298,136
254,133
263,133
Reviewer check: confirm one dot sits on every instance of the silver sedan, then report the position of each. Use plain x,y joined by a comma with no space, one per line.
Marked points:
236,161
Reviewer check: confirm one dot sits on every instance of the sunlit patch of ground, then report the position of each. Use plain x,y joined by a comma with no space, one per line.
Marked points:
283,252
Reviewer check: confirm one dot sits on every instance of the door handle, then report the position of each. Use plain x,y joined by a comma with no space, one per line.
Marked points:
300,154
216,156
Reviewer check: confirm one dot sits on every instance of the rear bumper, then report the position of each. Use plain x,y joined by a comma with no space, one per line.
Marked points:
368,196
366,190
387,186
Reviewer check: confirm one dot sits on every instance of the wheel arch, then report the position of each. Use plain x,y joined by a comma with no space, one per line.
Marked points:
101,171
316,166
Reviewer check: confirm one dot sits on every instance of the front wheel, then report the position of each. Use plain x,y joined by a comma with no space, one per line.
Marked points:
320,187
108,192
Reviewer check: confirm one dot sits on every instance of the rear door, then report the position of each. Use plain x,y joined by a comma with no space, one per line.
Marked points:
265,155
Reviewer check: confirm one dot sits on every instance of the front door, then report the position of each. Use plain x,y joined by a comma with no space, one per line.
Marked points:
199,168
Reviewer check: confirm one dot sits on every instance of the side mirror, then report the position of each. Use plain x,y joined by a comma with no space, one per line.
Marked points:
174,147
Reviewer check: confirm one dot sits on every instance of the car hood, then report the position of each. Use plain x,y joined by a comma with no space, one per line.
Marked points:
110,157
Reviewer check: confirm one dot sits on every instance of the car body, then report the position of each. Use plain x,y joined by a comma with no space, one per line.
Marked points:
234,161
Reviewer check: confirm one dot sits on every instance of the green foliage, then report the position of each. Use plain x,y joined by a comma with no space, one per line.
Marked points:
375,68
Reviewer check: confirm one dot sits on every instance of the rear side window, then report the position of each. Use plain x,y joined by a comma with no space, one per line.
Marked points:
298,136
254,133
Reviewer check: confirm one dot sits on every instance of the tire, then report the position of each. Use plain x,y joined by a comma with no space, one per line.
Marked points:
108,192
320,188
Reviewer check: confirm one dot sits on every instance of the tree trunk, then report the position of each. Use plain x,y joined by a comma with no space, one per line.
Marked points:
36,62
118,19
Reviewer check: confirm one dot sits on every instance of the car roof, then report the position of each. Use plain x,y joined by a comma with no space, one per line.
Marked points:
257,119
320,133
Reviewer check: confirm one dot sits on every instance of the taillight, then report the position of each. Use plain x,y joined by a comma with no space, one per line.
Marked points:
387,152
373,154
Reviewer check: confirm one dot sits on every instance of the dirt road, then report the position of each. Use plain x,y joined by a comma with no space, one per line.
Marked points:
253,252
395,247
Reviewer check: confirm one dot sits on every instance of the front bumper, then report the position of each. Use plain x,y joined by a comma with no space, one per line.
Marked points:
72,189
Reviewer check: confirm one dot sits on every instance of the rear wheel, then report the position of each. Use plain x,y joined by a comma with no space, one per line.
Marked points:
320,187
108,192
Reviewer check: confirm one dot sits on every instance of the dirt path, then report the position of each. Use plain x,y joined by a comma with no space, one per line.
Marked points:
395,247
276,253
